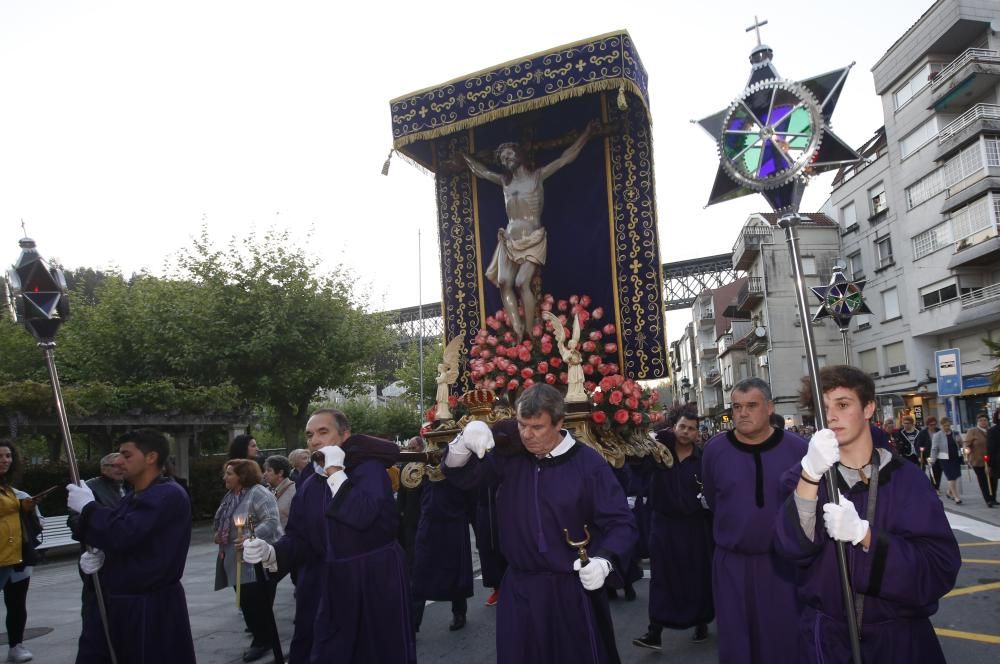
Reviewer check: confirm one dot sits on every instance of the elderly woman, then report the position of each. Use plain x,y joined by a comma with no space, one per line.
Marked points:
246,497
945,446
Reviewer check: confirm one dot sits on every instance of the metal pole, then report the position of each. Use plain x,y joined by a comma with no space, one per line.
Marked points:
789,223
420,322
847,347
74,471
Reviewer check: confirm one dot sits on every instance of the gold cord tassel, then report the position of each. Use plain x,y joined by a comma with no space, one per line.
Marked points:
622,103
385,166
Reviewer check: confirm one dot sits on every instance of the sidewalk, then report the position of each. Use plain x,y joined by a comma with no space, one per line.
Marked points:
973,506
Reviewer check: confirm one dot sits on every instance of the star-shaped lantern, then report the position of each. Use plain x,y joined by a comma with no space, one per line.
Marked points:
776,134
841,299
37,294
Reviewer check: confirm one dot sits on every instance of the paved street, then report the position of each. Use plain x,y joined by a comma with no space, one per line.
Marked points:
967,620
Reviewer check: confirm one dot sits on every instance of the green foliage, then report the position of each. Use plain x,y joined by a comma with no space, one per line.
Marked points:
409,372
994,352
35,479
391,420
205,485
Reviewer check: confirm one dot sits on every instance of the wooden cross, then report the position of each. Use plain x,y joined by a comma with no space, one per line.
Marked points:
757,24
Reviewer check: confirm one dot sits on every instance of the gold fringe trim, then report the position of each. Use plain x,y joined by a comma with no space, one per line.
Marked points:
525,106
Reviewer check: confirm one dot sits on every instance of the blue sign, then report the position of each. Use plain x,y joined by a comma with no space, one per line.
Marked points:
973,382
949,372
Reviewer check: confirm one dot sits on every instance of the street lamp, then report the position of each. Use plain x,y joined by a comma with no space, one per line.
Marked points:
686,389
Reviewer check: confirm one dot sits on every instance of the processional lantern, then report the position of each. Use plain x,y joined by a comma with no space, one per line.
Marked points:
37,294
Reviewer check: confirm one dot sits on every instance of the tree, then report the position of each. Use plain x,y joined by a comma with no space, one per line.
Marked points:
409,373
994,351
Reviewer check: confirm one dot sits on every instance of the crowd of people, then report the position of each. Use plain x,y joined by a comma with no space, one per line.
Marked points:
739,529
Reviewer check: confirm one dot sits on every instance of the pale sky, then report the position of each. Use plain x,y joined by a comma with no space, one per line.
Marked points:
127,125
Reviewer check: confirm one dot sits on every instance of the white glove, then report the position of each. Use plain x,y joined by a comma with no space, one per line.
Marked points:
631,502
334,481
257,550
593,574
92,561
476,439
823,452
843,523
333,456
79,497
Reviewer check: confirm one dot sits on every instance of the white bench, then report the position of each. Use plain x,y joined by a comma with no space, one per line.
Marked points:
55,532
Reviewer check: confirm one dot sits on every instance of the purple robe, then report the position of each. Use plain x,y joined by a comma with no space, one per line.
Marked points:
491,561
301,551
145,542
913,561
363,613
442,564
754,588
680,560
545,615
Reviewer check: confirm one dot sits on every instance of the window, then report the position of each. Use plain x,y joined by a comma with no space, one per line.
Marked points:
932,296
855,266
869,362
890,304
820,363
876,195
915,83
992,144
848,216
972,218
883,251
924,189
931,240
963,164
862,322
895,358
917,138
809,265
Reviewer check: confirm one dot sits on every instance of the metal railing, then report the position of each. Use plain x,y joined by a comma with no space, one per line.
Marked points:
981,54
752,235
977,112
981,296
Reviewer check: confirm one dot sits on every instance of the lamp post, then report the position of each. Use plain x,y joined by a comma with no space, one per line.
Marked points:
686,389
39,300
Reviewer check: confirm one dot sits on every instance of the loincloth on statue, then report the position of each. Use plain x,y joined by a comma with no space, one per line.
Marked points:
510,253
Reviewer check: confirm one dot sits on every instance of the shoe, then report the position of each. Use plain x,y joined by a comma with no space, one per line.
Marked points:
457,622
253,653
629,593
648,640
700,633
492,599
958,501
19,653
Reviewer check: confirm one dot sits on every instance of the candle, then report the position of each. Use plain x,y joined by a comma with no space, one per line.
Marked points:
239,521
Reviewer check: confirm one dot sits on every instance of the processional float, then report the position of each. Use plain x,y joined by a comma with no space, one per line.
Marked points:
772,139
569,293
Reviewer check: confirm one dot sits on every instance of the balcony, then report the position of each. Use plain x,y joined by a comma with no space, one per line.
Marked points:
713,377
979,118
979,306
751,294
980,250
966,78
707,318
981,296
747,246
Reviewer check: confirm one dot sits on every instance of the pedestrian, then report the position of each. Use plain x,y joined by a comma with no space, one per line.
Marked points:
900,549
276,477
975,451
551,490
361,613
141,548
993,454
680,547
299,459
906,439
945,446
924,450
246,498
19,521
442,561
754,589
244,446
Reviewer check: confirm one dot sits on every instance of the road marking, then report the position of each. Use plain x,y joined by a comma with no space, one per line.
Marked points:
981,561
968,590
970,636
980,544
978,528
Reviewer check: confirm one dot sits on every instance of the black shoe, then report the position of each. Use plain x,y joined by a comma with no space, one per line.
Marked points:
457,622
255,652
649,640
700,633
629,593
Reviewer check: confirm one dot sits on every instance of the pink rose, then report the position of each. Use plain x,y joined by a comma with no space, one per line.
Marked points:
526,344
615,397
621,416
590,385
585,300
536,330
555,362
599,417
596,335
546,306
508,337
609,328
594,360
528,383
637,417
589,346
602,369
573,299
485,354
564,378
584,317
550,379
523,354
527,373
632,403
511,370
543,367
607,384
513,385
598,313
598,398
561,305
588,369
546,349
611,347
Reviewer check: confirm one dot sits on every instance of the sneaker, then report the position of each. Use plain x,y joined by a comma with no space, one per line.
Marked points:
19,653
700,633
492,599
648,640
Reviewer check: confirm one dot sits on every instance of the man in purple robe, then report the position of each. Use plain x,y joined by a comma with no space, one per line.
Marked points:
362,612
491,560
139,550
901,553
550,488
680,560
753,588
442,561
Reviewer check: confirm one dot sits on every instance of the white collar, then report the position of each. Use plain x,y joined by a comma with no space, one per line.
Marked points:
563,447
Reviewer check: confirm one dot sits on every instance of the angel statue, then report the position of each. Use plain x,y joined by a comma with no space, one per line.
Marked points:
447,375
571,356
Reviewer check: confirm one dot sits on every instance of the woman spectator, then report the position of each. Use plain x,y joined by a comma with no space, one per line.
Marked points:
945,446
246,496
244,447
276,476
15,571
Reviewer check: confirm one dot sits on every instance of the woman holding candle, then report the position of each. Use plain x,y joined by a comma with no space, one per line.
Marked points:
246,498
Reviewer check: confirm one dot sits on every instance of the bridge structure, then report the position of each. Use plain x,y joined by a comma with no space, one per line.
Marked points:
683,281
